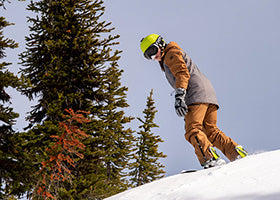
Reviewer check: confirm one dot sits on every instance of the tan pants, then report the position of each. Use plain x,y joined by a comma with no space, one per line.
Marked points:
202,132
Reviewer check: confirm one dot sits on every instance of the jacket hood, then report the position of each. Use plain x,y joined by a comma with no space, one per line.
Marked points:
171,45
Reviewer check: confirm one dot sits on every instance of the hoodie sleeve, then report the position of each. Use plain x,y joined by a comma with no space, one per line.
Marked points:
174,60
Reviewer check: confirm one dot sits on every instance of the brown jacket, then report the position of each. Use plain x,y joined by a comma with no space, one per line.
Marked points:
173,57
181,72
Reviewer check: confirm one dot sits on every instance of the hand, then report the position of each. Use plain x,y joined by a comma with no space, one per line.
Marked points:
180,105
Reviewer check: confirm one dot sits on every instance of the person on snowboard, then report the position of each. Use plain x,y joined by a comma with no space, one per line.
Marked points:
195,100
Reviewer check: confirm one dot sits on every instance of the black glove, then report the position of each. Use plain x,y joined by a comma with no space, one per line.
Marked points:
180,105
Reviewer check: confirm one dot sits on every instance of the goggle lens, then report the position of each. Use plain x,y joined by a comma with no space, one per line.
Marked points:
151,52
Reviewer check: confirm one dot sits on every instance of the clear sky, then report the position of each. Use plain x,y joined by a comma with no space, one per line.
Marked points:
234,43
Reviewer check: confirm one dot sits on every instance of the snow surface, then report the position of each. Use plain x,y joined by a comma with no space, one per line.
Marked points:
255,177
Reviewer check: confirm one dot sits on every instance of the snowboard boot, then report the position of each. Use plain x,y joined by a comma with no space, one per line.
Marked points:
214,161
241,151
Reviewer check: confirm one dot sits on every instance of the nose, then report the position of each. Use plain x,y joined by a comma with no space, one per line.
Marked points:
158,56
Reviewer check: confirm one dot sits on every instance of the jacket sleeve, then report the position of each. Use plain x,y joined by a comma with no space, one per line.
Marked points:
174,60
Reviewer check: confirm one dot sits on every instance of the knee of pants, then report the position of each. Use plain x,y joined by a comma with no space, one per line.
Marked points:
210,129
192,132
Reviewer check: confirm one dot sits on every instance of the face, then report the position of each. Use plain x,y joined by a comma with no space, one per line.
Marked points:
158,55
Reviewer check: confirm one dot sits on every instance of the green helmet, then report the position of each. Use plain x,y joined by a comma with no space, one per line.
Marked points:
150,44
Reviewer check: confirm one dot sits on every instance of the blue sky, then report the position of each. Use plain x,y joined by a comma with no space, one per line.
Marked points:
234,43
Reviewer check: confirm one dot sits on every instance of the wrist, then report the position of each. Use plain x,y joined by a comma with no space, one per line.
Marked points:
180,92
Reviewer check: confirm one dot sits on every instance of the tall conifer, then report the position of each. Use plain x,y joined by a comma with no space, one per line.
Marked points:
69,63
12,176
146,166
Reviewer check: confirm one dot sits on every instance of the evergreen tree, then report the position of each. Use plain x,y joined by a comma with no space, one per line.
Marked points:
146,167
7,116
69,63
7,78
12,170
116,141
108,153
67,145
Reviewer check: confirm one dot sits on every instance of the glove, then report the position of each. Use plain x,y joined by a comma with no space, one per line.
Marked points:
180,105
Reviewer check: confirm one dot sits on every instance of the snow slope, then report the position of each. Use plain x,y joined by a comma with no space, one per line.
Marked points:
255,177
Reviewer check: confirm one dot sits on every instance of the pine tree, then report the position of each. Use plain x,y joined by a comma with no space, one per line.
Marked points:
13,171
69,63
61,155
7,116
7,78
146,167
116,141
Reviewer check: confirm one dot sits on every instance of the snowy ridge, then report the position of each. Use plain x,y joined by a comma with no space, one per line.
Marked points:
256,177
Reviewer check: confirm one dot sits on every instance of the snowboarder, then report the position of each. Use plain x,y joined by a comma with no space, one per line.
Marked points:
195,100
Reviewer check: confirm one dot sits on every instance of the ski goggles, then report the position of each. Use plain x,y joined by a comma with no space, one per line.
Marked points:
151,52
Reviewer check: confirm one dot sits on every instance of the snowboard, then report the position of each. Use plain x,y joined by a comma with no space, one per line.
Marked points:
189,171
196,170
